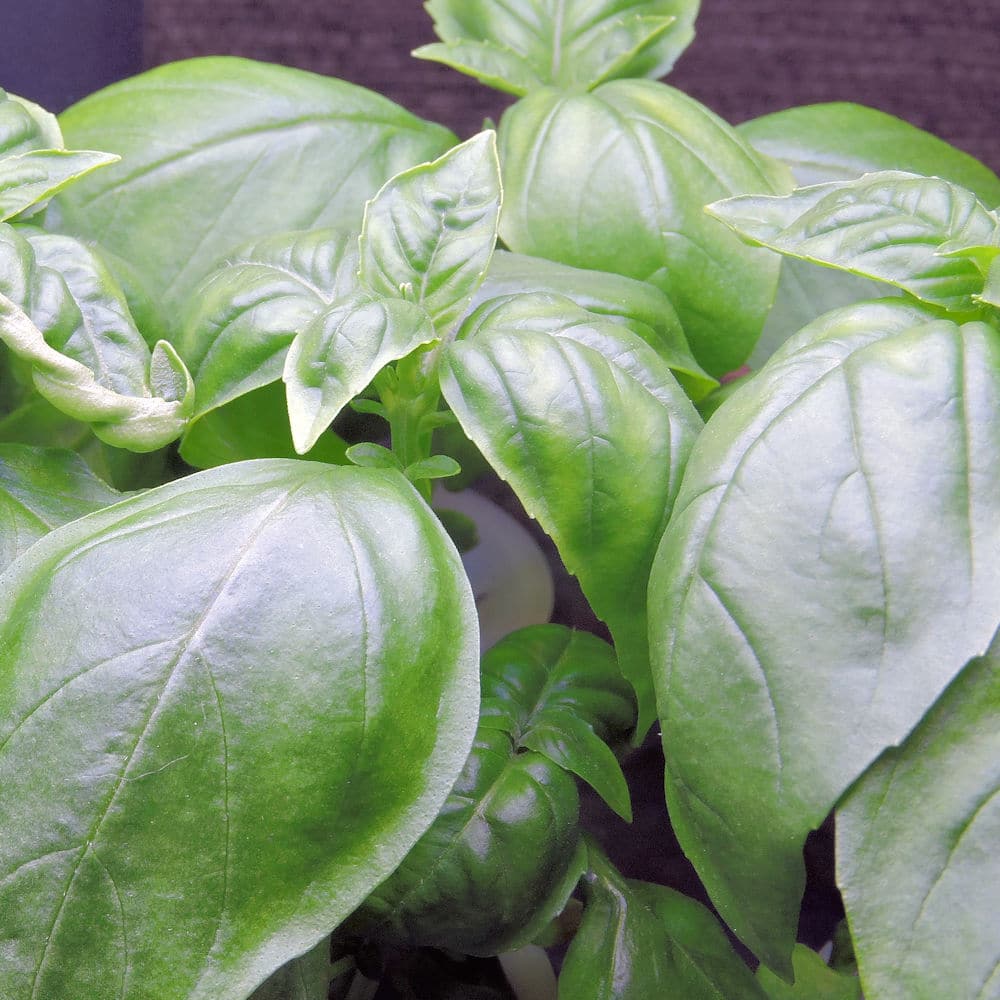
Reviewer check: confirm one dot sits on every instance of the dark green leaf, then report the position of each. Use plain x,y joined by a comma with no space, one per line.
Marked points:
814,980
229,707
856,480
428,235
584,420
617,180
219,151
41,489
842,141
639,941
889,226
339,353
245,315
641,307
917,854
522,45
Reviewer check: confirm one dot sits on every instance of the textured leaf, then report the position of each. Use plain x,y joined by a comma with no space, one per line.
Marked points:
641,307
238,150
814,980
617,180
339,353
889,226
30,178
229,707
639,941
41,489
585,421
841,141
916,851
428,235
243,317
24,126
525,44
855,481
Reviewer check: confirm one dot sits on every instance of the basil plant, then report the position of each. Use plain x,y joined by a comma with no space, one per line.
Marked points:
747,380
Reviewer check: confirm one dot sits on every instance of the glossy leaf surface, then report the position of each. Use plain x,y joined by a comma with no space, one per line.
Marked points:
428,235
238,150
854,480
24,126
243,317
814,980
201,781
841,141
617,180
641,307
586,422
527,44
32,177
889,225
916,851
339,353
639,940
41,489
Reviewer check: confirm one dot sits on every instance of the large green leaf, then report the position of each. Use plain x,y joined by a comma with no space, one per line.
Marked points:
827,571
589,426
304,978
229,707
428,235
917,851
522,45
840,141
41,489
641,307
890,225
219,151
814,980
470,884
639,940
617,180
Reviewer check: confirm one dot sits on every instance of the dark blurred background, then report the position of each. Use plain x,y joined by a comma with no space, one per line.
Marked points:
936,65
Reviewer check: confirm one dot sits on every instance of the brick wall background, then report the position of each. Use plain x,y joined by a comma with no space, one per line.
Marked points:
936,65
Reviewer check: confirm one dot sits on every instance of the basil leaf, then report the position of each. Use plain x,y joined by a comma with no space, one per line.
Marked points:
560,693
243,317
469,885
428,235
30,178
916,858
991,291
889,226
636,938
641,307
235,751
24,126
339,353
199,136
617,180
41,489
814,980
521,46
856,477
304,978
584,420
842,141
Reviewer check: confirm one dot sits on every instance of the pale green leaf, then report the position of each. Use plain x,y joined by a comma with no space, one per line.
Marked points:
30,178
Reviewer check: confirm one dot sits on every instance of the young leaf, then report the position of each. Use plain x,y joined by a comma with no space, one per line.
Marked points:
428,235
30,178
24,126
522,46
856,478
641,307
617,180
638,940
41,489
199,136
339,353
243,317
814,980
584,420
889,226
200,781
369,455
916,850
434,467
